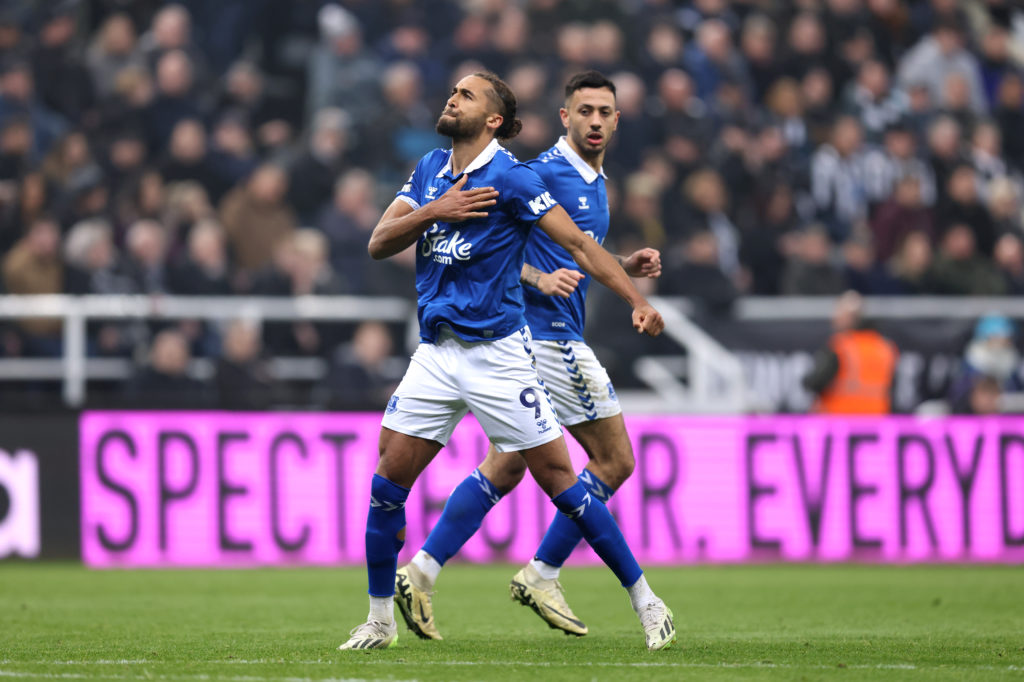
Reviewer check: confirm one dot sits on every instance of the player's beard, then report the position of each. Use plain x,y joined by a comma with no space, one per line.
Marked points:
583,145
460,128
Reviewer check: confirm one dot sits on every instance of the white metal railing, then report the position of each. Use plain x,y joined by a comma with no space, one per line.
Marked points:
74,368
713,378
708,378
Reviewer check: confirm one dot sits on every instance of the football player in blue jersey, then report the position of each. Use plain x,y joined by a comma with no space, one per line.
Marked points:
583,396
469,211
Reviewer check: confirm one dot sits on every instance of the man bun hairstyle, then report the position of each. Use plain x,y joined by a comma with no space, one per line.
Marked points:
506,101
588,79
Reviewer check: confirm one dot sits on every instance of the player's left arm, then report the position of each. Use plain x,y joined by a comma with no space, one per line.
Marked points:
600,264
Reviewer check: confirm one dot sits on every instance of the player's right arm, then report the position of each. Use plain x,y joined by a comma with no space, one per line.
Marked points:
401,225
562,282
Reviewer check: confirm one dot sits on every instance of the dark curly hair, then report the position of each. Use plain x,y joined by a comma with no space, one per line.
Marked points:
506,101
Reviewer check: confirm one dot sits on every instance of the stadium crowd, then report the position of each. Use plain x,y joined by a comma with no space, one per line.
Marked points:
249,146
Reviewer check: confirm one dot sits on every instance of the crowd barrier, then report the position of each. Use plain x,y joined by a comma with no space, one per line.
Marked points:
147,489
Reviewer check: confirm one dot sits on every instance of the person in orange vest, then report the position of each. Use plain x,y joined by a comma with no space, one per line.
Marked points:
854,374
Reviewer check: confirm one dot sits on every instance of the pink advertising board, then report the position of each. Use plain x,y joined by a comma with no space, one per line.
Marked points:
236,489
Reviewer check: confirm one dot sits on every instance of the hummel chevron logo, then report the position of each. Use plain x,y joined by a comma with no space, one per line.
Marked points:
386,506
579,511
490,492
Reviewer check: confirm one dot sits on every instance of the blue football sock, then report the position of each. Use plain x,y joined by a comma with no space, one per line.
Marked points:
463,513
563,535
600,530
385,534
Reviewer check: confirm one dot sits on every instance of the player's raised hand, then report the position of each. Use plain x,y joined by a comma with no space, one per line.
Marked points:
457,204
643,263
562,282
647,320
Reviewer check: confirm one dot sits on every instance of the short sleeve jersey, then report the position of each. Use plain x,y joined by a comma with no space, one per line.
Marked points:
581,192
467,273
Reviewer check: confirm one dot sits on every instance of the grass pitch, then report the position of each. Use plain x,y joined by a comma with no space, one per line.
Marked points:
776,622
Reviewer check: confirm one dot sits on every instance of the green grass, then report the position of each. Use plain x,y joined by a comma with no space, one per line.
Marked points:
777,622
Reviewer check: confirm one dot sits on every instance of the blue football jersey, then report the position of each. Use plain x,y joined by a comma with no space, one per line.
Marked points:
467,274
581,192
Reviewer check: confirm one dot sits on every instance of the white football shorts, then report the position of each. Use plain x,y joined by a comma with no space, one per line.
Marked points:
577,382
496,380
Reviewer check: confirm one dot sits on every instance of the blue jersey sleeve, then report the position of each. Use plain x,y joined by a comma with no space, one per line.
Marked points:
411,191
526,195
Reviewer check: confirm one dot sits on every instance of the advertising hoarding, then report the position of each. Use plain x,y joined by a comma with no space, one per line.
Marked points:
211,489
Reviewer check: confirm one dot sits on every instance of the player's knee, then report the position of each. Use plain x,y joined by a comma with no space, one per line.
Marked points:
624,467
614,468
553,478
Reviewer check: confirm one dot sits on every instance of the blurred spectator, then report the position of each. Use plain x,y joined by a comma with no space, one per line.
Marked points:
758,43
312,175
806,46
256,216
707,203
987,158
634,134
902,214
404,128
854,374
124,160
171,31
768,237
662,50
962,206
785,102
302,268
232,156
944,149
838,178
203,271
1009,259
640,216
146,247
990,366
364,373
696,273
909,266
683,125
175,99
897,159
1009,114
18,101
165,383
939,54
247,95
92,259
873,100
64,83
188,159
959,270
712,58
242,379
1004,205
818,90
864,273
342,72
68,155
347,223
34,266
956,101
996,60
113,49
809,270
